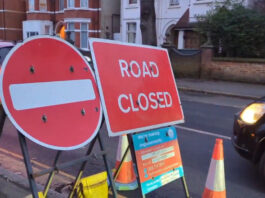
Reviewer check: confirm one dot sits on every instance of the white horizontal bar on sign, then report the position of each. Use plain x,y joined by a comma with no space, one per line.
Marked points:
44,94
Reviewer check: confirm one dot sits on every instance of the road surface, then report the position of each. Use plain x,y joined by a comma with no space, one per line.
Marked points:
207,117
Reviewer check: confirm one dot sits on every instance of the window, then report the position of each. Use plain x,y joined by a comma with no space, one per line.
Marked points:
174,2
47,29
131,32
132,1
61,4
70,3
31,5
84,3
71,30
43,5
29,34
84,36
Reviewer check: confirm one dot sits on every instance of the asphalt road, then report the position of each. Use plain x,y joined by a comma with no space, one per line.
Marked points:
207,117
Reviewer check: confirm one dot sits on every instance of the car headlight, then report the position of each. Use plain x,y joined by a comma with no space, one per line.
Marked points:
253,113
87,59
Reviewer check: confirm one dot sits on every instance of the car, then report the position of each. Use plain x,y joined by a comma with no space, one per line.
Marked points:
5,47
249,133
87,56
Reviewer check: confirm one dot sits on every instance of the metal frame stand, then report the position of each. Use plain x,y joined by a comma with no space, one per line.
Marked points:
81,170
130,141
109,172
51,175
2,119
131,147
56,167
24,149
183,180
121,163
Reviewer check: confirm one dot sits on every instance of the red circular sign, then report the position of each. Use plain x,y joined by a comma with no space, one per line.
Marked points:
49,93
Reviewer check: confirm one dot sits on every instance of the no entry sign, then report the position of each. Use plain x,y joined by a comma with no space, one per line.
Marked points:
137,86
49,93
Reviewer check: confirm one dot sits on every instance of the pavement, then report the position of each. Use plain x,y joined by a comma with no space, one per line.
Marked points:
15,185
225,88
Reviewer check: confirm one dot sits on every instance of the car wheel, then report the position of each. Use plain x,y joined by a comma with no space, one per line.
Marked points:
262,166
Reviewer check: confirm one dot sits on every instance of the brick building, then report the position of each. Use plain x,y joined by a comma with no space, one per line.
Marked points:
74,19
12,13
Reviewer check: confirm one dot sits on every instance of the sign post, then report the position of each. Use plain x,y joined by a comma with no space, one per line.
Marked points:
2,119
138,93
137,87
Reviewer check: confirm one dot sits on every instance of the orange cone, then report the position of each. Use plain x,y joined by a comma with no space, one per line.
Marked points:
215,183
126,179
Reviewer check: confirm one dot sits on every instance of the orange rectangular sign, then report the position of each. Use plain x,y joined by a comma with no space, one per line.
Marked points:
137,86
158,158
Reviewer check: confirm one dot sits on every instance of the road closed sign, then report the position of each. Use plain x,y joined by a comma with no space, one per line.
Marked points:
49,93
137,86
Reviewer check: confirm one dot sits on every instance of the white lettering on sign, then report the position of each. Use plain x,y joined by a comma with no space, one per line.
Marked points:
157,153
142,102
137,70
154,100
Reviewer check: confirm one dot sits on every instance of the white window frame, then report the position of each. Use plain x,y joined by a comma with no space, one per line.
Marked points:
44,2
70,3
84,33
47,29
197,2
31,5
72,31
29,34
132,2
131,31
86,3
61,4
173,2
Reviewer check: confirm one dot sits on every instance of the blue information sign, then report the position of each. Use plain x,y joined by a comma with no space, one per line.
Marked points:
158,158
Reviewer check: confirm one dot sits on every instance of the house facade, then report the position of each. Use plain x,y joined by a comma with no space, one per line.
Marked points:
75,20
175,20
110,19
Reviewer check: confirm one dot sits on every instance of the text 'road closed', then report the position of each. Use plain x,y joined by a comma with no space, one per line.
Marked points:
143,101
137,86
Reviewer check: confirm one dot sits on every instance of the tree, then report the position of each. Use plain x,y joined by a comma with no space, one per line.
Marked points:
148,22
236,31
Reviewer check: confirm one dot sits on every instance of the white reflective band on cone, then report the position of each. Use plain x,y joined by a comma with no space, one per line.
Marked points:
216,177
123,144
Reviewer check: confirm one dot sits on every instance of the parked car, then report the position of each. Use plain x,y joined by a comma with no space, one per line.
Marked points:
5,47
87,56
249,134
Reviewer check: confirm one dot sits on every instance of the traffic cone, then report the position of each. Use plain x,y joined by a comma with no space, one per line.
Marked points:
126,179
215,183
